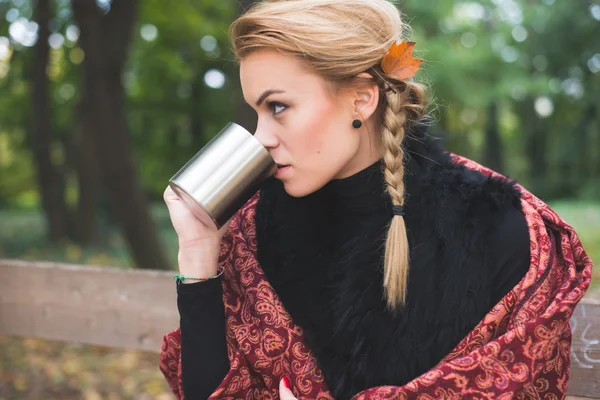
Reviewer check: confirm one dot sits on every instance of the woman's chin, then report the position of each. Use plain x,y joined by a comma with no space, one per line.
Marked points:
299,190
295,190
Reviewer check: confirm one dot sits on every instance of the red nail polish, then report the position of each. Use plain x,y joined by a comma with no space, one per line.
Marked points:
286,382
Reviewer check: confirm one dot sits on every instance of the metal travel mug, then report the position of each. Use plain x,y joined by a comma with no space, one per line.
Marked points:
223,175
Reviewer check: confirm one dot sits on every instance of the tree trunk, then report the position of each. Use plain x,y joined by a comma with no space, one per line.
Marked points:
70,153
86,165
535,147
105,41
493,142
49,180
583,165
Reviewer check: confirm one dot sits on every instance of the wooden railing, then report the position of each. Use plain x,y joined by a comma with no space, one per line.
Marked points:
133,309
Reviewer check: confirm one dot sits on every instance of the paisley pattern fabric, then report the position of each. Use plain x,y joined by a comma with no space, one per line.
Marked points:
519,350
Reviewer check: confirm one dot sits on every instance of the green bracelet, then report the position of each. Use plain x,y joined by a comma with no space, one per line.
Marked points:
180,278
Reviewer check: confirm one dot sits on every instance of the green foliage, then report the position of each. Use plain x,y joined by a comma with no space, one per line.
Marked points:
173,113
516,53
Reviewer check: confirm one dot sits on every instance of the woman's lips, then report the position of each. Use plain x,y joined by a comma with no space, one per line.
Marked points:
281,170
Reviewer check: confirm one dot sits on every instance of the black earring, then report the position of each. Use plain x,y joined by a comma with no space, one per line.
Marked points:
356,123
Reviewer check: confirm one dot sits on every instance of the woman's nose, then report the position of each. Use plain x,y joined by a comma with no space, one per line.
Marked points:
266,138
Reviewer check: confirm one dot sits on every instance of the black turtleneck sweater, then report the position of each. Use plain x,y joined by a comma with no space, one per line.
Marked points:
353,210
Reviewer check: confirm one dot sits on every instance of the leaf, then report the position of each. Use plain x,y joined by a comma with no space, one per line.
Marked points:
399,61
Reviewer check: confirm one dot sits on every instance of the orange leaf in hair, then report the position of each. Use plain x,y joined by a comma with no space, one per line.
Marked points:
399,62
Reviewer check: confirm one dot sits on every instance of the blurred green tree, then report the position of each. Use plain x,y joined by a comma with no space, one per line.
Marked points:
50,180
105,39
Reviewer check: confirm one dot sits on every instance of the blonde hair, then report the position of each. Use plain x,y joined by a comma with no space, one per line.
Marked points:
339,39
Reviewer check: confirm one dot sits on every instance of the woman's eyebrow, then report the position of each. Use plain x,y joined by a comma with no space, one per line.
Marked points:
266,94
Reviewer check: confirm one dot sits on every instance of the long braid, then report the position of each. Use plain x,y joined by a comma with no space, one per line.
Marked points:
404,105
396,250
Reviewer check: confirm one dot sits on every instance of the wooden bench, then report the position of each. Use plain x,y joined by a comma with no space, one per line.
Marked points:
133,309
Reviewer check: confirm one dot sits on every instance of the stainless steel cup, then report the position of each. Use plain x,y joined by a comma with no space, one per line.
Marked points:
223,175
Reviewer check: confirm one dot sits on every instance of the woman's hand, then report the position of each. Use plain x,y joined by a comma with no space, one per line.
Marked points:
285,393
198,243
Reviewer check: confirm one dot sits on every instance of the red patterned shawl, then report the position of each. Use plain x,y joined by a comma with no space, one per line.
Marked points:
519,350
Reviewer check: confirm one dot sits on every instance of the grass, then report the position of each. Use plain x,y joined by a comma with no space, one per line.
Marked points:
40,369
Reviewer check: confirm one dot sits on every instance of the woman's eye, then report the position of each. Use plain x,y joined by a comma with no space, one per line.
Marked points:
276,107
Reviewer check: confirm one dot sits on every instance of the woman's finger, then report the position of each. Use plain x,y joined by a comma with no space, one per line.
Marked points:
284,391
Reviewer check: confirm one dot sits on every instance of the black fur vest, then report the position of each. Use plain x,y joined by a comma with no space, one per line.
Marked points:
323,255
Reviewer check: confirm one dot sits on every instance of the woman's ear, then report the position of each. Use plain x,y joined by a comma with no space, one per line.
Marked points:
365,96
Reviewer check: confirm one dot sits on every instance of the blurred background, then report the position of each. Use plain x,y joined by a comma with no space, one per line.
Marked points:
102,101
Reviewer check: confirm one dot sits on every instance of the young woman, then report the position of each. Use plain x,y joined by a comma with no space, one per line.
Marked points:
374,264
